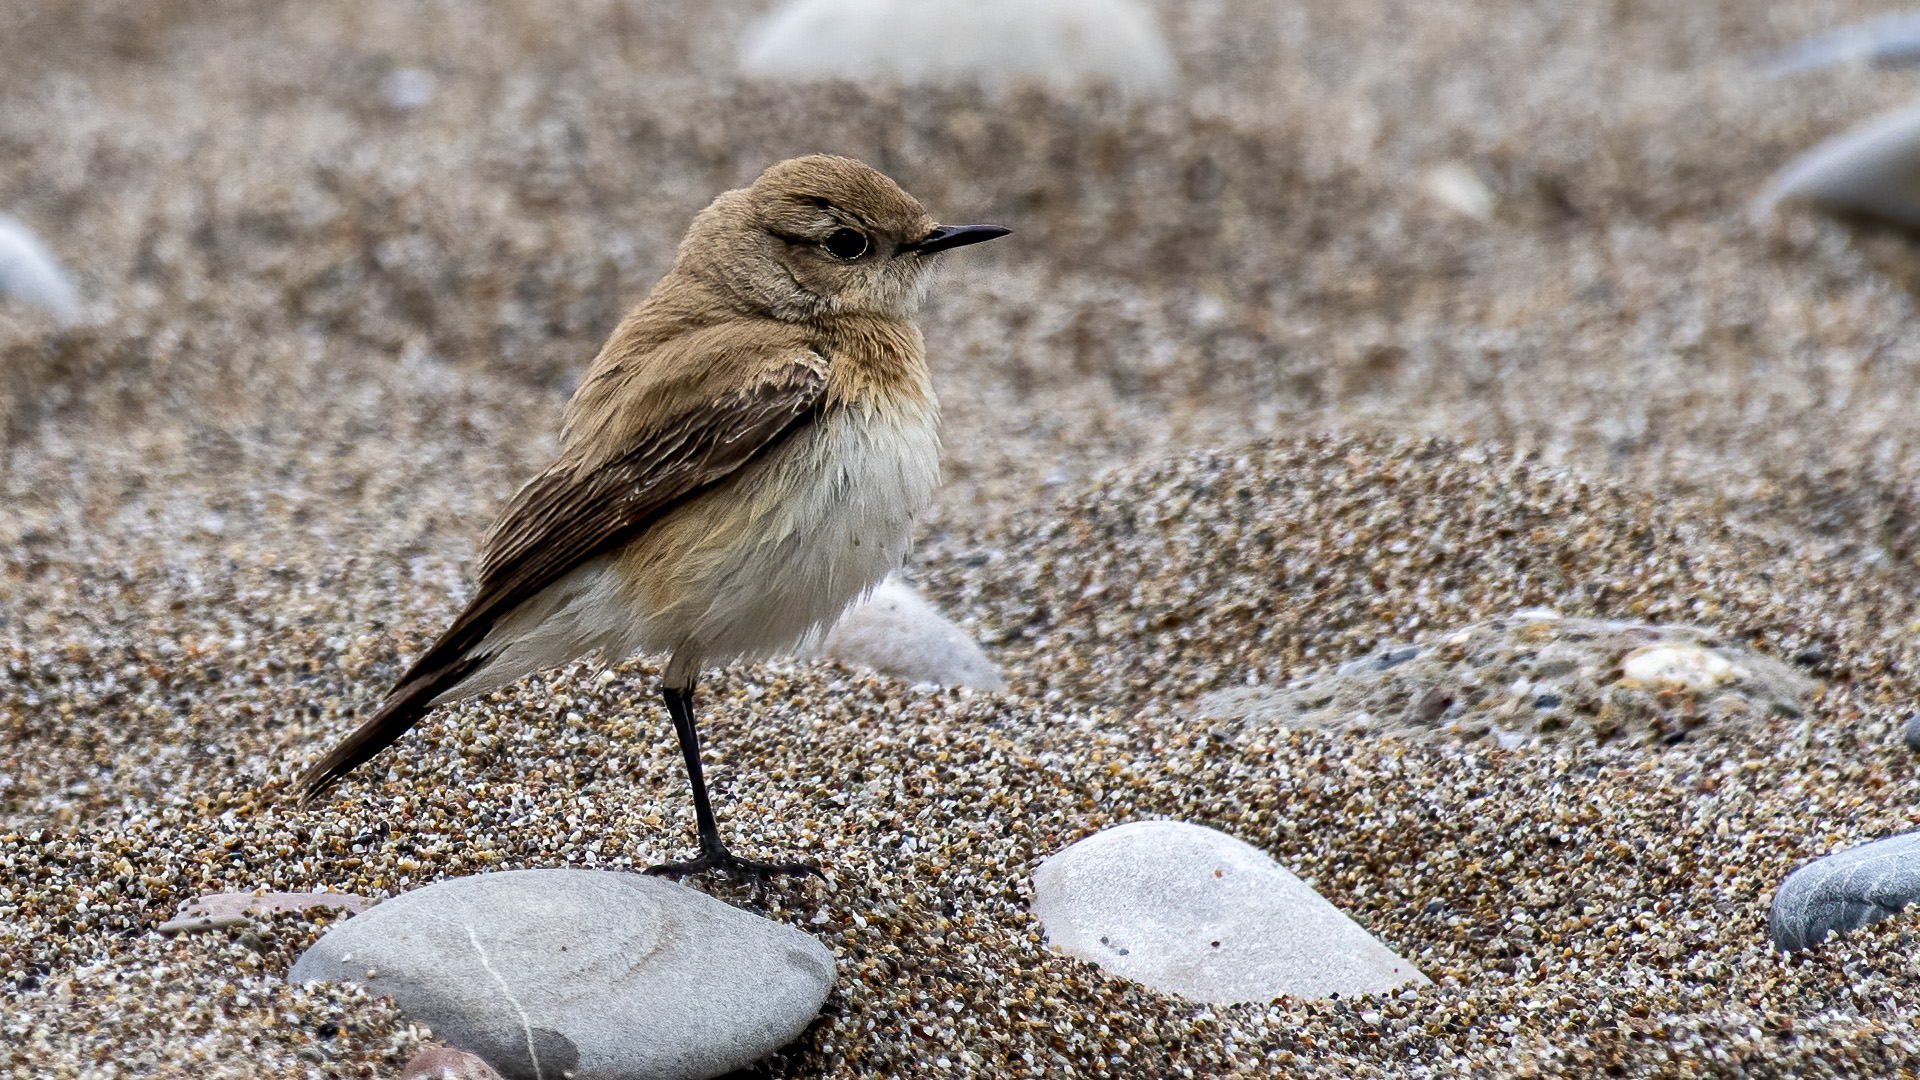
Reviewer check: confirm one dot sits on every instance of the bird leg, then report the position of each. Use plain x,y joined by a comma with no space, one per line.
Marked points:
714,855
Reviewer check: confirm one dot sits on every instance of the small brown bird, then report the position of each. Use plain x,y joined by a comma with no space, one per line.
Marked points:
743,460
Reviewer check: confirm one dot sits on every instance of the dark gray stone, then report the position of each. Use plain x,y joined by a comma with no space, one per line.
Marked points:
1845,891
585,974
1910,731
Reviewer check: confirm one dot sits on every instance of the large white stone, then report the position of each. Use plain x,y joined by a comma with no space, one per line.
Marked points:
1871,169
585,974
29,272
991,43
897,633
1189,910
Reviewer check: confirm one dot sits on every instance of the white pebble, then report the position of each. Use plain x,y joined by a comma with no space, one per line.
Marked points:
1869,169
990,43
1689,667
1460,189
29,272
407,89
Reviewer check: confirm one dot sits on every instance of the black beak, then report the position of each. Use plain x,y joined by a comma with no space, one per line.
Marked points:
953,236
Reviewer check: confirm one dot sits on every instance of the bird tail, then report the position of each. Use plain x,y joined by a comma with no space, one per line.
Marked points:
404,706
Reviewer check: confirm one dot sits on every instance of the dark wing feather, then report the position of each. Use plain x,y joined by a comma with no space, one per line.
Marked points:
568,515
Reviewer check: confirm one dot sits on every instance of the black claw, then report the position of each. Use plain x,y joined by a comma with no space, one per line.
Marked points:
725,863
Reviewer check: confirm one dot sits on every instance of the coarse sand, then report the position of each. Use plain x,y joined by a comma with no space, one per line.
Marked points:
1239,401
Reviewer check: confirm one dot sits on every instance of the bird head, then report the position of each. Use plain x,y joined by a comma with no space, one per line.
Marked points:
822,235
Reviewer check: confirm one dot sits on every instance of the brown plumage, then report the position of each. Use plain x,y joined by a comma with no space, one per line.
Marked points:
744,458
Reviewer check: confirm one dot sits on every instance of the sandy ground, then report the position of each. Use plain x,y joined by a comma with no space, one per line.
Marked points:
1240,400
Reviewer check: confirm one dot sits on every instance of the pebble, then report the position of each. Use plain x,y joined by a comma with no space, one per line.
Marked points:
446,1063
1063,44
1845,891
215,911
584,973
1189,910
407,89
1868,169
1459,188
30,273
1685,666
1910,731
898,633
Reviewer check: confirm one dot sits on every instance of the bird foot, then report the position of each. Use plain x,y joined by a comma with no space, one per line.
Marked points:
718,860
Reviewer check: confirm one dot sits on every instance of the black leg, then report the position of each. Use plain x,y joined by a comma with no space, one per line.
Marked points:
713,854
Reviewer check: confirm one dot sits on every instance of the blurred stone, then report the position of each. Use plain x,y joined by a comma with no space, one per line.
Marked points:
991,43
446,1063
1458,188
214,911
407,89
1910,731
897,633
1188,910
1683,666
1871,169
1893,39
1845,891
583,973
29,272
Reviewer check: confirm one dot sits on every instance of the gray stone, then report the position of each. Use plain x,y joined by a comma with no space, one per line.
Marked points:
586,974
29,272
1845,891
1187,910
994,44
1910,731
897,633
1869,169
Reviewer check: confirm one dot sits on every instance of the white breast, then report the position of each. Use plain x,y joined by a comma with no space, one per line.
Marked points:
756,567
834,516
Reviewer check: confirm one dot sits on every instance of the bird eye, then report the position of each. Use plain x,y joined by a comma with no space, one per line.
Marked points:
846,244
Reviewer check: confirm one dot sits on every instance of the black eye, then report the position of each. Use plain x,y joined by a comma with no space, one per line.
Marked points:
846,244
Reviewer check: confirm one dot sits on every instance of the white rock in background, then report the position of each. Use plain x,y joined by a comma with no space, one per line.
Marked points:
1682,666
29,272
897,633
407,89
1187,910
583,973
1893,39
1871,169
1458,188
991,43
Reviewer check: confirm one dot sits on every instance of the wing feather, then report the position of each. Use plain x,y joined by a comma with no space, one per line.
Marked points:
578,509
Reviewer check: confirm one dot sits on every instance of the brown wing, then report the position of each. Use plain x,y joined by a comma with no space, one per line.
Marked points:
574,511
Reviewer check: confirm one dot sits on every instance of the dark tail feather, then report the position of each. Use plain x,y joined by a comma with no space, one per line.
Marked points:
404,707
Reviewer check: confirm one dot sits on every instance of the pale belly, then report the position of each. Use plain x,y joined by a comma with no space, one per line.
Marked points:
753,568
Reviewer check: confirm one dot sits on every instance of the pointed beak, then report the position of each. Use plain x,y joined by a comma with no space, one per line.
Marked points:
953,236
